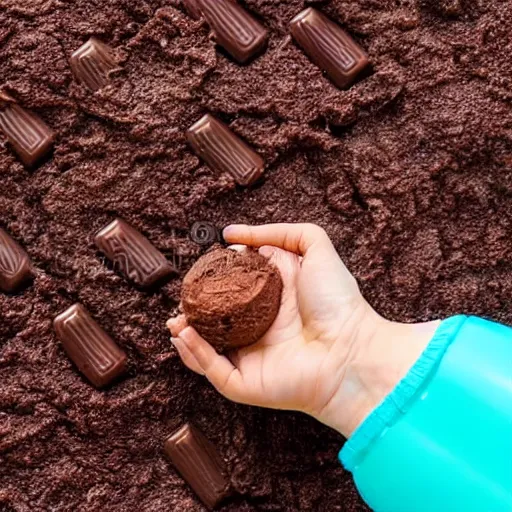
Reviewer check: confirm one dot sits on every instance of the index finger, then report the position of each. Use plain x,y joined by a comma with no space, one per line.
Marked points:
296,238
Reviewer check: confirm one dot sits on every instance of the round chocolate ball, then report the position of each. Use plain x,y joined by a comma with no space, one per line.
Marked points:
231,298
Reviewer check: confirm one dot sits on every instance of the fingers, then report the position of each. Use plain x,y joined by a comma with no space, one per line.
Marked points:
325,285
322,264
186,356
219,370
296,238
177,324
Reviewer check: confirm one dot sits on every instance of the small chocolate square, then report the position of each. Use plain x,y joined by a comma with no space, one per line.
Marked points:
224,151
133,254
15,266
329,47
233,27
91,64
27,133
92,350
199,463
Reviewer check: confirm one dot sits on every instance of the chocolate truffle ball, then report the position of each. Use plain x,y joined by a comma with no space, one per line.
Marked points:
231,298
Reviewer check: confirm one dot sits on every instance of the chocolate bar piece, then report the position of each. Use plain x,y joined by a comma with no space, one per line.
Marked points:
15,267
221,149
329,47
199,464
192,7
27,133
234,28
205,233
133,254
92,350
91,64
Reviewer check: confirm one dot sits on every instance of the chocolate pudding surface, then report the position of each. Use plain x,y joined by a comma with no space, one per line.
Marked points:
409,171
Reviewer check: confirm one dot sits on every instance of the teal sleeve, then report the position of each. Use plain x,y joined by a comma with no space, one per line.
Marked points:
442,439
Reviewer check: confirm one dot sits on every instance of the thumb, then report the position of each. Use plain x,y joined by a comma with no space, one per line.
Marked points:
286,262
288,265
198,355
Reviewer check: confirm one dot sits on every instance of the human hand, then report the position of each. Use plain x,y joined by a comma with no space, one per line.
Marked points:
327,353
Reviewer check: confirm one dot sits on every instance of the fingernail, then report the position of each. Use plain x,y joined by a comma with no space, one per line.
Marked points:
266,251
177,343
230,231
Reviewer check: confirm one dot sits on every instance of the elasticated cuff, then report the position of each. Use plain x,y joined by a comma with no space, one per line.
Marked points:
403,396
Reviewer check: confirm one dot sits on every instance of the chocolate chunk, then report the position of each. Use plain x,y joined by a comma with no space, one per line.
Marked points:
91,64
192,7
91,349
205,233
15,267
27,133
329,47
234,28
221,149
199,464
133,254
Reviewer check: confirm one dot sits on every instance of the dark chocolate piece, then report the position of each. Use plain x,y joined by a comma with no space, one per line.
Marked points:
234,28
221,149
329,47
133,254
15,267
91,64
192,7
199,464
205,233
28,134
92,350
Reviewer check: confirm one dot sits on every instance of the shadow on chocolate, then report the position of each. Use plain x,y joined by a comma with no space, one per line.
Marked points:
221,51
149,290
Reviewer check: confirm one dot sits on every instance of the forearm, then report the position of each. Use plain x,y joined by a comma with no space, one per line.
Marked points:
384,353
442,439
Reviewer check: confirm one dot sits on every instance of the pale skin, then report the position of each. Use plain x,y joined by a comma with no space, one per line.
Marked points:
328,353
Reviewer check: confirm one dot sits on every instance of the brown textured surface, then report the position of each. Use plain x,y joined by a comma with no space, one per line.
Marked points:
409,171
231,298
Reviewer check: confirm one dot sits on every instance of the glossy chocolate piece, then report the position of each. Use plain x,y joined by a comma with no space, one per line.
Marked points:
15,267
221,149
133,254
91,64
234,28
329,47
199,463
27,133
192,7
92,350
205,233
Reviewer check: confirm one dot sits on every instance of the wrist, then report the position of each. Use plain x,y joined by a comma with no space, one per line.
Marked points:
383,354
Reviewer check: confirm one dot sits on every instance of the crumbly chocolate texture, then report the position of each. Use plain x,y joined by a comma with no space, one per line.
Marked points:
231,298
408,170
